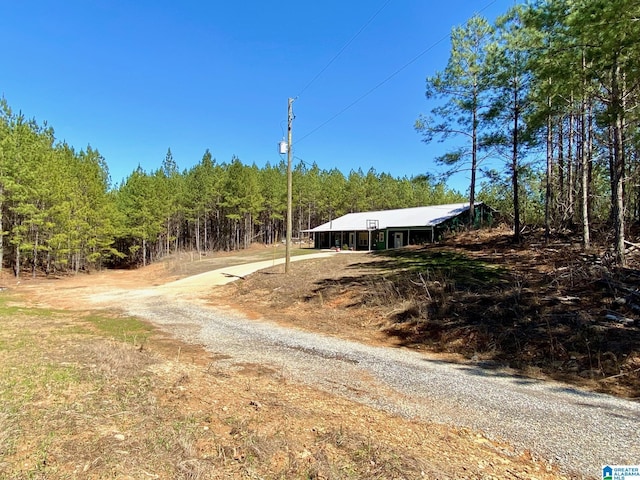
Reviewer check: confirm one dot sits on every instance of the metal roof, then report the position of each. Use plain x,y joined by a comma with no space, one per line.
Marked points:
399,218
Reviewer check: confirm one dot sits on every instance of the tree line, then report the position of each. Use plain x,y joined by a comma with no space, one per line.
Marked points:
551,91
59,211
548,94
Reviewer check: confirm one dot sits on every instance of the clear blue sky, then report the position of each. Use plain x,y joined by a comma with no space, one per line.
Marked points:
134,78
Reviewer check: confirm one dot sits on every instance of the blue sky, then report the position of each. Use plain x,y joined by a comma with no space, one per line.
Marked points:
133,79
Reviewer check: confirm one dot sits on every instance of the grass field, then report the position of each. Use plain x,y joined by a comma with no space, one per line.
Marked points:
87,395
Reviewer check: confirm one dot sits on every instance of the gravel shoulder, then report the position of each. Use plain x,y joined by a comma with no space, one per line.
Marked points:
574,429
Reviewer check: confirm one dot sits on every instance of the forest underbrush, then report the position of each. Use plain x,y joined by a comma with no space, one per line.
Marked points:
543,308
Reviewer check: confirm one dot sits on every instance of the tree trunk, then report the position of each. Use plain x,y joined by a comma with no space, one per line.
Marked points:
34,264
617,108
590,137
585,161
17,267
548,192
206,232
514,167
198,234
474,166
570,180
561,171
144,252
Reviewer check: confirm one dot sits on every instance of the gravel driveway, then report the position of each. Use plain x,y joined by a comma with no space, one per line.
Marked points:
578,430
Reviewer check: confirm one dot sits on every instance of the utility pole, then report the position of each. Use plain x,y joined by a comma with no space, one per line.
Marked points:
289,188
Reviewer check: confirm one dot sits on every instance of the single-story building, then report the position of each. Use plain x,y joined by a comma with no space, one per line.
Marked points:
396,228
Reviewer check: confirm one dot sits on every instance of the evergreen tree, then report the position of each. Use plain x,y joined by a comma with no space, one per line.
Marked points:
464,86
510,103
144,212
609,31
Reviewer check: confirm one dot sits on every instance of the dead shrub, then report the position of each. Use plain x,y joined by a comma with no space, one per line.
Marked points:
112,359
192,469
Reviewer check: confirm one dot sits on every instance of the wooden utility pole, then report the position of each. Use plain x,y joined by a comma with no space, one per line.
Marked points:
289,188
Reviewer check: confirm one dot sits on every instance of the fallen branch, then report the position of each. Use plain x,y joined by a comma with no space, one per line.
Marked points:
567,299
619,318
633,245
622,374
232,275
424,284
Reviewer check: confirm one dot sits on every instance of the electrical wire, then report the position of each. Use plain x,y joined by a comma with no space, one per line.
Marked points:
343,48
371,90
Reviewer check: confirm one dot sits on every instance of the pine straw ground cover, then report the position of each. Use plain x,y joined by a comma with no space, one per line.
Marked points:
90,396
544,309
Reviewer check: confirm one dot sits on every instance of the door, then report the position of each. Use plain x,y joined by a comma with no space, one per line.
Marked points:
397,240
352,240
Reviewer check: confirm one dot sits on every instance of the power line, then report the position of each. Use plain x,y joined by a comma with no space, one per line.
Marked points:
305,162
344,47
370,91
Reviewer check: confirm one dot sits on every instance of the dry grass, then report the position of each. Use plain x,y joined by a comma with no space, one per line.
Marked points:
544,309
81,396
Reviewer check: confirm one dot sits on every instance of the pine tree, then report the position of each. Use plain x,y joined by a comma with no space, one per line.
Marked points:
464,86
510,83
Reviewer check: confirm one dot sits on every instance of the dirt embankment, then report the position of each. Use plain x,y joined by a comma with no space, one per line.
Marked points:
546,310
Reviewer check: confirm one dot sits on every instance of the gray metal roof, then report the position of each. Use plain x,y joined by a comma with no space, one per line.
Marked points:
399,218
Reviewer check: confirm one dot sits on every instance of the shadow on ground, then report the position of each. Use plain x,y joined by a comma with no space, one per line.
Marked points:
535,307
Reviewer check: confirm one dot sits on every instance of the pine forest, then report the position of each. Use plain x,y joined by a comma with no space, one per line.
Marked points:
541,107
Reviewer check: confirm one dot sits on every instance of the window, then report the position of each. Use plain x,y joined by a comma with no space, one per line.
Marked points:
363,239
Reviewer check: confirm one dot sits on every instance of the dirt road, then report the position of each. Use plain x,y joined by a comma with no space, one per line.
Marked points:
577,430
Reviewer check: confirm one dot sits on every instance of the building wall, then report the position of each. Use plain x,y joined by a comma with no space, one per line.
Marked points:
382,239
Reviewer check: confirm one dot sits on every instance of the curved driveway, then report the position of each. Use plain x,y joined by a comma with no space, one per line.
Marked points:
578,430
